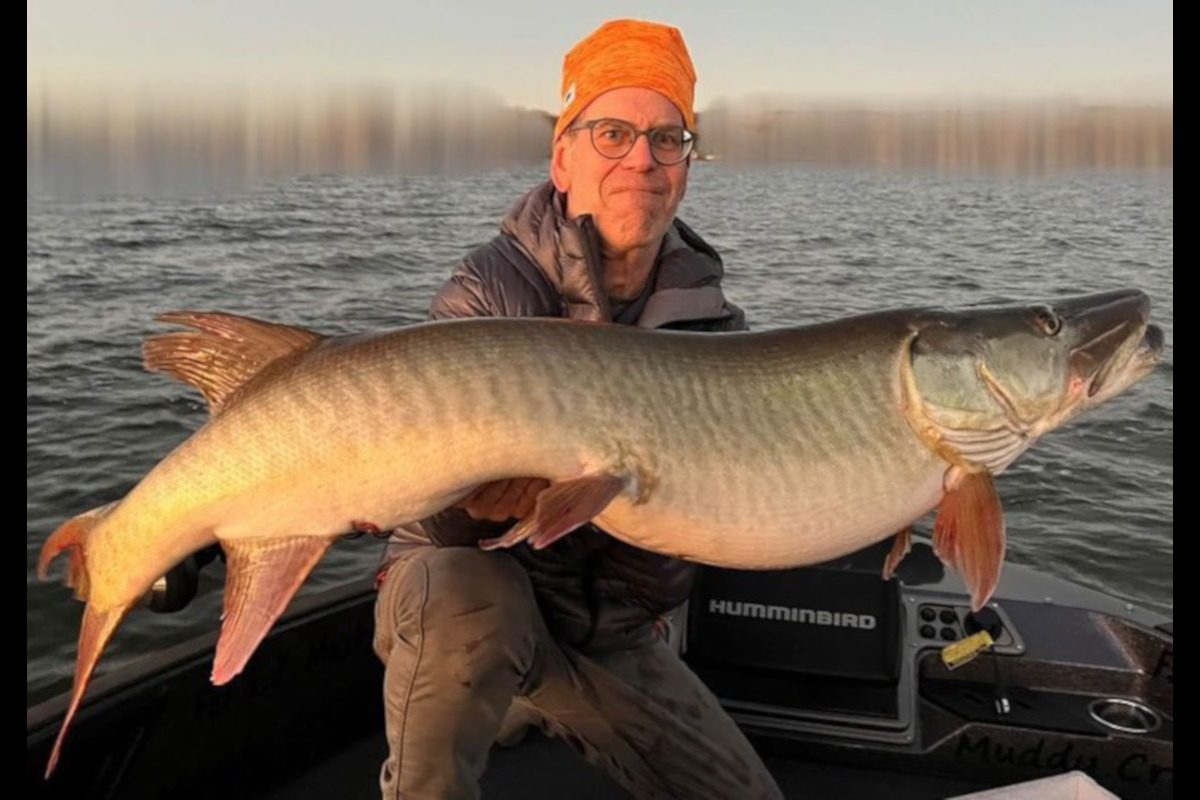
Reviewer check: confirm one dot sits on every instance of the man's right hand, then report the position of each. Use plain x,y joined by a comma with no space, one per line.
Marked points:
503,500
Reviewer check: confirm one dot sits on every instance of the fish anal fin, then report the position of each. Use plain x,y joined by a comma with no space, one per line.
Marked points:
262,575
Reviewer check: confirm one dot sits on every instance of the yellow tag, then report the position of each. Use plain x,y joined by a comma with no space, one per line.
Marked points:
956,654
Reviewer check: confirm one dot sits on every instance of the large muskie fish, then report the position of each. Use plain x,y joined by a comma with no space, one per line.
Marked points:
747,450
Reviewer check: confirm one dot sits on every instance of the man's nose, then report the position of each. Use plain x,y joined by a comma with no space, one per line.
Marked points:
640,156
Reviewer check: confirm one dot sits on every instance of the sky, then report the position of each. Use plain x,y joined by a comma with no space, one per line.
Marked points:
1090,50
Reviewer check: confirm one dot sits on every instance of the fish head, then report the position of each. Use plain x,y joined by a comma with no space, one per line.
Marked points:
1009,375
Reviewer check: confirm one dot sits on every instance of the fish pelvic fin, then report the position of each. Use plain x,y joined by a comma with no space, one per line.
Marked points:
968,535
223,352
72,536
94,633
561,508
262,576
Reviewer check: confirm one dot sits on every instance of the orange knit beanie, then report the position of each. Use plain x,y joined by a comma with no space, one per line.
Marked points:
627,52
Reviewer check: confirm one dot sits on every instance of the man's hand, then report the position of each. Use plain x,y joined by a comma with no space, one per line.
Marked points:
503,500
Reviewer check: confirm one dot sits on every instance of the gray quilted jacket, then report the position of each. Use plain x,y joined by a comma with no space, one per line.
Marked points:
593,590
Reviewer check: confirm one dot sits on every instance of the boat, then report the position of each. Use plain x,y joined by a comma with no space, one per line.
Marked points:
848,685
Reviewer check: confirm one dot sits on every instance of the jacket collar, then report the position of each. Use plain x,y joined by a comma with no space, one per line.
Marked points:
686,283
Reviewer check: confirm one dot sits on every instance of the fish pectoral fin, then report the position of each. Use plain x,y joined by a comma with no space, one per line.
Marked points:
223,352
262,576
561,508
969,534
901,545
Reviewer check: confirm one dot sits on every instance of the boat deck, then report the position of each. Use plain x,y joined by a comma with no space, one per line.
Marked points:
541,767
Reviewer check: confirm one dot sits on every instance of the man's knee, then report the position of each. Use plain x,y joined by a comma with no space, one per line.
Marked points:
458,600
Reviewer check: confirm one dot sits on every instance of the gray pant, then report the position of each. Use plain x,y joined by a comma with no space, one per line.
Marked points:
463,641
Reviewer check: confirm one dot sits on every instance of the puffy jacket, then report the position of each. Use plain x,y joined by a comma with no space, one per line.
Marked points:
592,588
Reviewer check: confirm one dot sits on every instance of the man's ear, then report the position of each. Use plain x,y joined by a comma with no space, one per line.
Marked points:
559,159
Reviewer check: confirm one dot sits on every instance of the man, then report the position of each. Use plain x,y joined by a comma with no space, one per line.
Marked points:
567,636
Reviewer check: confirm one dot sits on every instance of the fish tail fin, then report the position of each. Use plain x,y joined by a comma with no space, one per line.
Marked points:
72,536
97,629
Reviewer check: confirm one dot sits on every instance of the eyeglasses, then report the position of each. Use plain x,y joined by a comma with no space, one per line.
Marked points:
614,138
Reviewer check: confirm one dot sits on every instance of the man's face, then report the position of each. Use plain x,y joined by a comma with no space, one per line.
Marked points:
632,199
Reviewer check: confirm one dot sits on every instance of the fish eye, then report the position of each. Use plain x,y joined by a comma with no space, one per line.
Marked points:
1046,320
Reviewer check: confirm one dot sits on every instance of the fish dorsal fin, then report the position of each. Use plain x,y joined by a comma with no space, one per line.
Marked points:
223,352
261,577
969,533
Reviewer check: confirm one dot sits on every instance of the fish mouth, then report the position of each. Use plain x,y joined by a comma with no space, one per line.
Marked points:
1147,355
1112,335
1152,344
1131,362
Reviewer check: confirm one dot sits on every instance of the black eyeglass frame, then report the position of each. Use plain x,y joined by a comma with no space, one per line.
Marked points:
689,139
